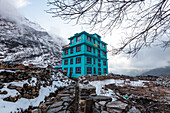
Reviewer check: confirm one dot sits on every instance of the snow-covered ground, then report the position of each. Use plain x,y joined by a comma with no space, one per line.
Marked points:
118,82
7,107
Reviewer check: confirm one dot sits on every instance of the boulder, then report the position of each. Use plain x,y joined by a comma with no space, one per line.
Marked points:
117,105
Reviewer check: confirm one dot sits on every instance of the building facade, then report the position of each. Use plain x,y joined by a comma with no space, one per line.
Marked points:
85,55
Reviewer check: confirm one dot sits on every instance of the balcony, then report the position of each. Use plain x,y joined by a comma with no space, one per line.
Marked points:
66,46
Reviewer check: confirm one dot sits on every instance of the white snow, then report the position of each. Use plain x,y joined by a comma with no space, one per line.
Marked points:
2,70
6,107
118,82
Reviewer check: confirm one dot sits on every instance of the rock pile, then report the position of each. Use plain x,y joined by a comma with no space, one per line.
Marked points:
61,101
89,102
9,76
163,81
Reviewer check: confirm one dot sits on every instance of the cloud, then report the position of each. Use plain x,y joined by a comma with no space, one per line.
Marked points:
148,58
9,11
20,3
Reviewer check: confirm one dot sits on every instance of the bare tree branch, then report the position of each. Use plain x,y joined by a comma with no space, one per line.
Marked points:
147,21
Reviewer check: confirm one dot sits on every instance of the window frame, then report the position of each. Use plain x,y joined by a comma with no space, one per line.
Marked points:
89,70
66,62
78,60
78,70
88,38
104,53
78,39
71,51
94,70
66,52
104,63
71,41
103,45
104,70
88,48
78,48
94,50
93,41
71,61
88,60
71,69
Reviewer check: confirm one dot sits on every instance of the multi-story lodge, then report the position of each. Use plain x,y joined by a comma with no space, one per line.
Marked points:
85,55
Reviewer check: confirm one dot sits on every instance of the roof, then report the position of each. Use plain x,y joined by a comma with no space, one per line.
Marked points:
59,66
90,35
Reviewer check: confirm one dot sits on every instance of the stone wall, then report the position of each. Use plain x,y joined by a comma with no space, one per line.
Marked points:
89,102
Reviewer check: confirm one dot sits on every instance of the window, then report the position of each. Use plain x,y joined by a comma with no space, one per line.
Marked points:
98,42
71,61
66,69
104,63
78,60
93,50
98,53
93,41
78,49
88,60
65,62
71,50
78,70
88,38
99,69
98,37
99,73
103,46
89,70
71,70
94,61
66,52
71,41
99,60
78,39
99,65
104,70
94,70
104,54
88,48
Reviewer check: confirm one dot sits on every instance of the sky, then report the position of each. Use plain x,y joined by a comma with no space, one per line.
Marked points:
146,59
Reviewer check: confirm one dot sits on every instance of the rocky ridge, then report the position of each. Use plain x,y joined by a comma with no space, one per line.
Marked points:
26,42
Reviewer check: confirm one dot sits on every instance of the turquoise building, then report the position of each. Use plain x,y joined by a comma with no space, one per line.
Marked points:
85,55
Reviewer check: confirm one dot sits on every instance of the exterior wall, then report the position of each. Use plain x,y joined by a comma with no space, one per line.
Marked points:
84,54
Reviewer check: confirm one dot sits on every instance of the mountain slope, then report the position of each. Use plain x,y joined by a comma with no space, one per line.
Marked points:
27,42
159,71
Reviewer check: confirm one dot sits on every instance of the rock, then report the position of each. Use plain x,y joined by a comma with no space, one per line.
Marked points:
10,86
101,98
104,112
82,102
117,105
36,111
111,110
1,86
134,110
42,106
56,104
97,105
55,110
63,95
103,103
4,92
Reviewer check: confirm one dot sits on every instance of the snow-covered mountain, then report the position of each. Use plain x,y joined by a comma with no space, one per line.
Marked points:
27,42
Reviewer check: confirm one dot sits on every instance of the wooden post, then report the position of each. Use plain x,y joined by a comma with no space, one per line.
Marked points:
89,104
76,98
